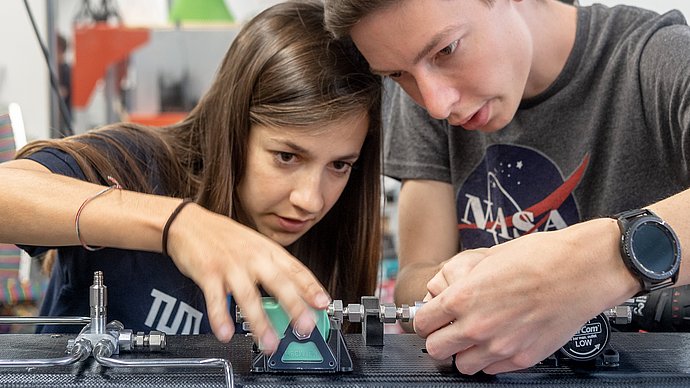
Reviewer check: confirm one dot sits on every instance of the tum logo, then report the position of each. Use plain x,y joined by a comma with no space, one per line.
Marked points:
186,316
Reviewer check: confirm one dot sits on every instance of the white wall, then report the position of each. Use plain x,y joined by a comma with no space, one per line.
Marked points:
23,71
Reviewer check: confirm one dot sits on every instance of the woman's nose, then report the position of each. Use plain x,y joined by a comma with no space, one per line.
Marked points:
307,193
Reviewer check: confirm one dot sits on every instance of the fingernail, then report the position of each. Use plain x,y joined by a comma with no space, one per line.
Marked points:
269,342
303,326
322,299
225,333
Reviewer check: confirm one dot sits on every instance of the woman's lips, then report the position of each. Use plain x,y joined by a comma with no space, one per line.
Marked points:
292,225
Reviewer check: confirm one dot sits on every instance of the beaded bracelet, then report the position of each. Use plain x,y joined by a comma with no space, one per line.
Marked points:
116,185
169,222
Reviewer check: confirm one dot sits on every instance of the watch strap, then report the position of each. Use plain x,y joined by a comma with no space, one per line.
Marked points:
648,286
634,213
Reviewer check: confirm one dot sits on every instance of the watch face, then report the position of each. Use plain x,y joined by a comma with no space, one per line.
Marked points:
654,249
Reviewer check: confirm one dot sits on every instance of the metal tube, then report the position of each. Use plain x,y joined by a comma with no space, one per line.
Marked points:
100,351
79,352
44,320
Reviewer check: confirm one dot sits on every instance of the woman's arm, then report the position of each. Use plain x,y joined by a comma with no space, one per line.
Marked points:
221,256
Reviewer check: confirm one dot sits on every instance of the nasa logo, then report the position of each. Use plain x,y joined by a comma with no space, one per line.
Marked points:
514,191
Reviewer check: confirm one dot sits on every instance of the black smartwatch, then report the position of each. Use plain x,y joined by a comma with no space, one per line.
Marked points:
650,249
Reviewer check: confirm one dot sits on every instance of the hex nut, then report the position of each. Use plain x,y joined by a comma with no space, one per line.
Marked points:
139,340
124,340
337,309
623,315
156,341
355,312
388,313
405,313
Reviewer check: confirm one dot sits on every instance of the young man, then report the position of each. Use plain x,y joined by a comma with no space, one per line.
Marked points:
518,116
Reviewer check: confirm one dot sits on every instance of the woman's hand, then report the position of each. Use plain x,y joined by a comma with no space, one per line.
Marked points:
223,256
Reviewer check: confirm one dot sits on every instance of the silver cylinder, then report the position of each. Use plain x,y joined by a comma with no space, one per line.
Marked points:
98,301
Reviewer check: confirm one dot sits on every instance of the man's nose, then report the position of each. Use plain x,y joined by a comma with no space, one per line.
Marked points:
436,95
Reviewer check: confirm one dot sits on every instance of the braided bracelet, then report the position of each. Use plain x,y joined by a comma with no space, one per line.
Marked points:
116,185
169,222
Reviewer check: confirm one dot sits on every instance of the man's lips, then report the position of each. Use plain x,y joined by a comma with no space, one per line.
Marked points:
476,120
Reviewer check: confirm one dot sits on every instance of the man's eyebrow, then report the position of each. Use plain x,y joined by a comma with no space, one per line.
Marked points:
435,40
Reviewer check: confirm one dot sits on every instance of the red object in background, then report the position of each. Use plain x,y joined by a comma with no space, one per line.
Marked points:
157,120
96,49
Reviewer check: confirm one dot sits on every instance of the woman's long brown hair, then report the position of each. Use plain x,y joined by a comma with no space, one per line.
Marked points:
283,70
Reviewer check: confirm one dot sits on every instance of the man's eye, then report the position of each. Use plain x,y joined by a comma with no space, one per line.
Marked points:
396,74
449,49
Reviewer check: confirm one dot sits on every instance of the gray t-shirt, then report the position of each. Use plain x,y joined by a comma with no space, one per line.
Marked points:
609,134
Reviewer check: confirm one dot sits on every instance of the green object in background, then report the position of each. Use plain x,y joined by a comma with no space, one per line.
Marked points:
200,11
296,351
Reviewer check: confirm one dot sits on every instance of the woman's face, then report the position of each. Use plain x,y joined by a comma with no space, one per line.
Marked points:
295,176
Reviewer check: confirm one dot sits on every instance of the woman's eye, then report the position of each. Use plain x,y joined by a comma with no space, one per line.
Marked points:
285,157
449,49
342,166
396,74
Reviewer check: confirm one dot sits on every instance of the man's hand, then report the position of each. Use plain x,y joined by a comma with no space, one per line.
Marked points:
510,306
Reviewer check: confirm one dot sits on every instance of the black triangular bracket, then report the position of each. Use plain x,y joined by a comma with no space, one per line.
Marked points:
334,354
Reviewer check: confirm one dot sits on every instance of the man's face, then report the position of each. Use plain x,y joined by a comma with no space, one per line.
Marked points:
462,60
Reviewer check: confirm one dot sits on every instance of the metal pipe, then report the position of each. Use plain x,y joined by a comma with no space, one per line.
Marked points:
102,353
80,351
44,320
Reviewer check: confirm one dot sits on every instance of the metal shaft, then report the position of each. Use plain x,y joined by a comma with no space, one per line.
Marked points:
98,300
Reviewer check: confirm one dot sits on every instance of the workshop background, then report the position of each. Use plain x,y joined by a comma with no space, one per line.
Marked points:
166,54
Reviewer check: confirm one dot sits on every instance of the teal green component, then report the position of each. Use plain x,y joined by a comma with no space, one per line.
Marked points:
296,351
302,352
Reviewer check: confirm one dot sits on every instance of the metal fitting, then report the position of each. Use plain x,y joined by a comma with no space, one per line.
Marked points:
403,313
414,309
98,301
336,310
157,341
154,341
138,340
619,315
125,340
354,312
388,313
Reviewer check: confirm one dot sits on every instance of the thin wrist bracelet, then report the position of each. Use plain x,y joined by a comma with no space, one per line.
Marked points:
116,185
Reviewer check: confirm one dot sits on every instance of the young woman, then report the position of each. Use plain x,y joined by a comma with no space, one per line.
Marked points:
280,160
